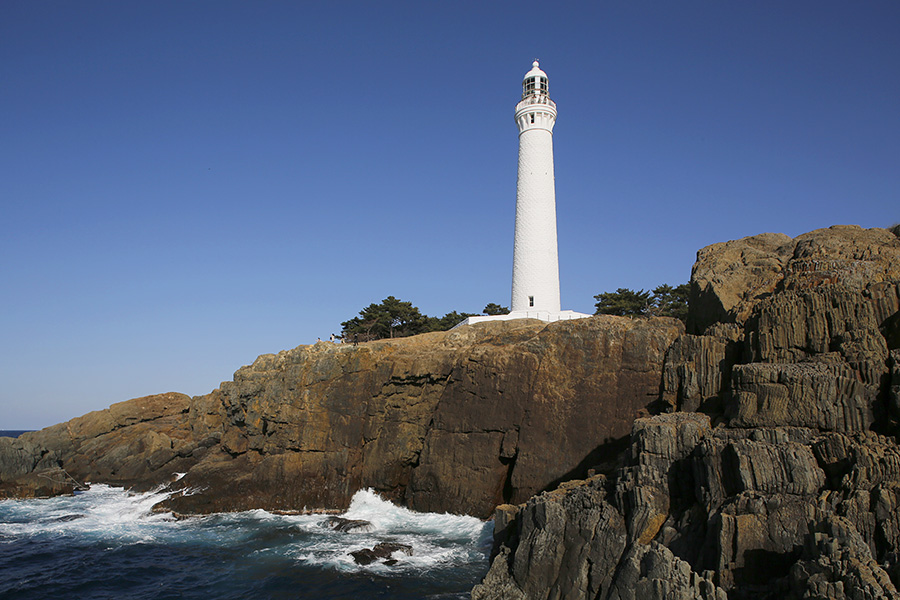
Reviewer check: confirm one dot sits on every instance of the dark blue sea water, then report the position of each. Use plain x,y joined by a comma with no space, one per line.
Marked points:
106,543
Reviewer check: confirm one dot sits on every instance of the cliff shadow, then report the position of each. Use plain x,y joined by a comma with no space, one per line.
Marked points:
605,459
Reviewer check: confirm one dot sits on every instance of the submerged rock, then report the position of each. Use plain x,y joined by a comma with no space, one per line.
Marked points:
383,550
349,525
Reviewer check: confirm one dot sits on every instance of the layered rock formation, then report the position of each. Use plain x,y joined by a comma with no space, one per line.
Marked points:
456,421
785,484
763,462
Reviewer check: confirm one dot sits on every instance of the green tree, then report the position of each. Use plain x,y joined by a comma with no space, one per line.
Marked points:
391,318
448,321
395,318
671,301
495,309
624,303
664,301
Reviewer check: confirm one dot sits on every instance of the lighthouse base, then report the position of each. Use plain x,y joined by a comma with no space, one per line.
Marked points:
543,315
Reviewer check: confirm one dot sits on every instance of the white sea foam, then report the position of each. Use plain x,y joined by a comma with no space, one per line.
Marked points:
103,512
437,540
115,517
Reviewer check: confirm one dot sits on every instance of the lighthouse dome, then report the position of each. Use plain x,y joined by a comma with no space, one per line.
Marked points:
535,71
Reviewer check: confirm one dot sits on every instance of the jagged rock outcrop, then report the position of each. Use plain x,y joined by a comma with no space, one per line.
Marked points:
702,512
456,421
815,394
730,278
785,483
697,369
568,543
772,472
142,442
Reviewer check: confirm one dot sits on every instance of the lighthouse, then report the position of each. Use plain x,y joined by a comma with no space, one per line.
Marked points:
535,276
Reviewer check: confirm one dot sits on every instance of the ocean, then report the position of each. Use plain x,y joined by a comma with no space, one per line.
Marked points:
106,543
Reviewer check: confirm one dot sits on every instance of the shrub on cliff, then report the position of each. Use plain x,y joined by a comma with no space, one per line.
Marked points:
623,303
448,321
390,318
395,318
664,301
493,309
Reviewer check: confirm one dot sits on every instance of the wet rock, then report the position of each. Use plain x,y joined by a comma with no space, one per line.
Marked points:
386,549
38,485
365,556
382,551
349,525
64,519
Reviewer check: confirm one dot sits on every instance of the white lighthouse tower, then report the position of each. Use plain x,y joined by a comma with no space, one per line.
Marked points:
535,279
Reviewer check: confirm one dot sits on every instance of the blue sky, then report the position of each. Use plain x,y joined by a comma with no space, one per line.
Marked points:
187,185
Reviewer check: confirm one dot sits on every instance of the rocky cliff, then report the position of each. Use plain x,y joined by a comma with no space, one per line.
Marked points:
774,471
457,421
753,455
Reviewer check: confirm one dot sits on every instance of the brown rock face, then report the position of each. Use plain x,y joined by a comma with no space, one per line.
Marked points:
784,481
700,512
140,443
783,488
730,278
457,421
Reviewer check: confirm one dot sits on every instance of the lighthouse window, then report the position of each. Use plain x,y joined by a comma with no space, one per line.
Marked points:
532,117
530,300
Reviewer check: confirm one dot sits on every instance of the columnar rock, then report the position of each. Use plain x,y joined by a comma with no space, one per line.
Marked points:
697,370
730,278
787,487
745,512
826,396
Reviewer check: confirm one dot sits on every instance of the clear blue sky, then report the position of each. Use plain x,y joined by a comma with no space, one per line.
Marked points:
187,185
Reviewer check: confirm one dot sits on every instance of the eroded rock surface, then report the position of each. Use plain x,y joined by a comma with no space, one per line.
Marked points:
730,278
140,443
457,421
773,472
786,481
